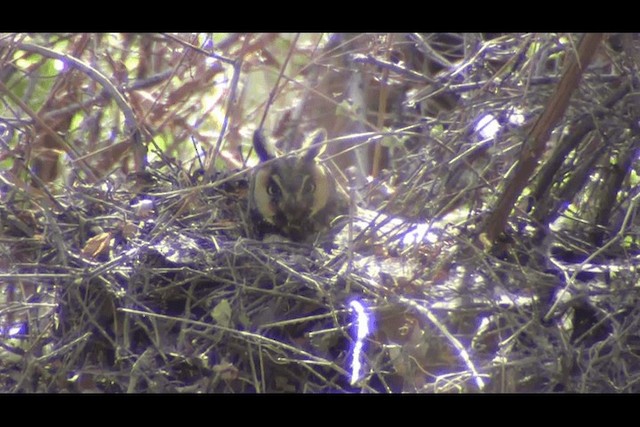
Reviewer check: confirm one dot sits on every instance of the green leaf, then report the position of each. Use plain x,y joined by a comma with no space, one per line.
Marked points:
344,109
222,313
437,131
391,142
634,178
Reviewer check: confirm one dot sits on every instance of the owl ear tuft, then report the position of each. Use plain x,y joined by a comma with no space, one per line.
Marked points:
261,146
316,145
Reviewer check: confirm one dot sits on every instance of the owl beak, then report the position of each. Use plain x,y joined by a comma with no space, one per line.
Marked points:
294,216
292,211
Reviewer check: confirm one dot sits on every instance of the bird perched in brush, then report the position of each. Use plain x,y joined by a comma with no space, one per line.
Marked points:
294,196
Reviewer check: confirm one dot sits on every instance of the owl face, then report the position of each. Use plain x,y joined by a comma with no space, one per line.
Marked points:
295,197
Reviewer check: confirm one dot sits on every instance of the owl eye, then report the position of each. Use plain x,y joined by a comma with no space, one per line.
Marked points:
309,187
273,189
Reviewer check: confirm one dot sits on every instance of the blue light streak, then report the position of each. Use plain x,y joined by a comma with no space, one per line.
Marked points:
362,330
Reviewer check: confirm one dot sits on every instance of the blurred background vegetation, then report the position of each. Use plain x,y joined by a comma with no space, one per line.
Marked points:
445,112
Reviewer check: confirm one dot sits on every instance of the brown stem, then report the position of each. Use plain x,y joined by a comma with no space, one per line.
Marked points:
534,145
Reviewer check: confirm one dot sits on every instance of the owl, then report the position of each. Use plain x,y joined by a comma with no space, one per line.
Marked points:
294,196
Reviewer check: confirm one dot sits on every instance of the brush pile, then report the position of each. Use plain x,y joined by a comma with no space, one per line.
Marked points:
125,261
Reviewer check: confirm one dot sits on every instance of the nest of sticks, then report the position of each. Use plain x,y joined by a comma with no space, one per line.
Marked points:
153,286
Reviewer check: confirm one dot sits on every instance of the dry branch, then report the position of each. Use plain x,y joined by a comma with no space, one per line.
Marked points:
534,145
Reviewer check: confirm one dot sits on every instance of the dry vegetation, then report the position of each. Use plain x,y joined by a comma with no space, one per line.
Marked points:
125,264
